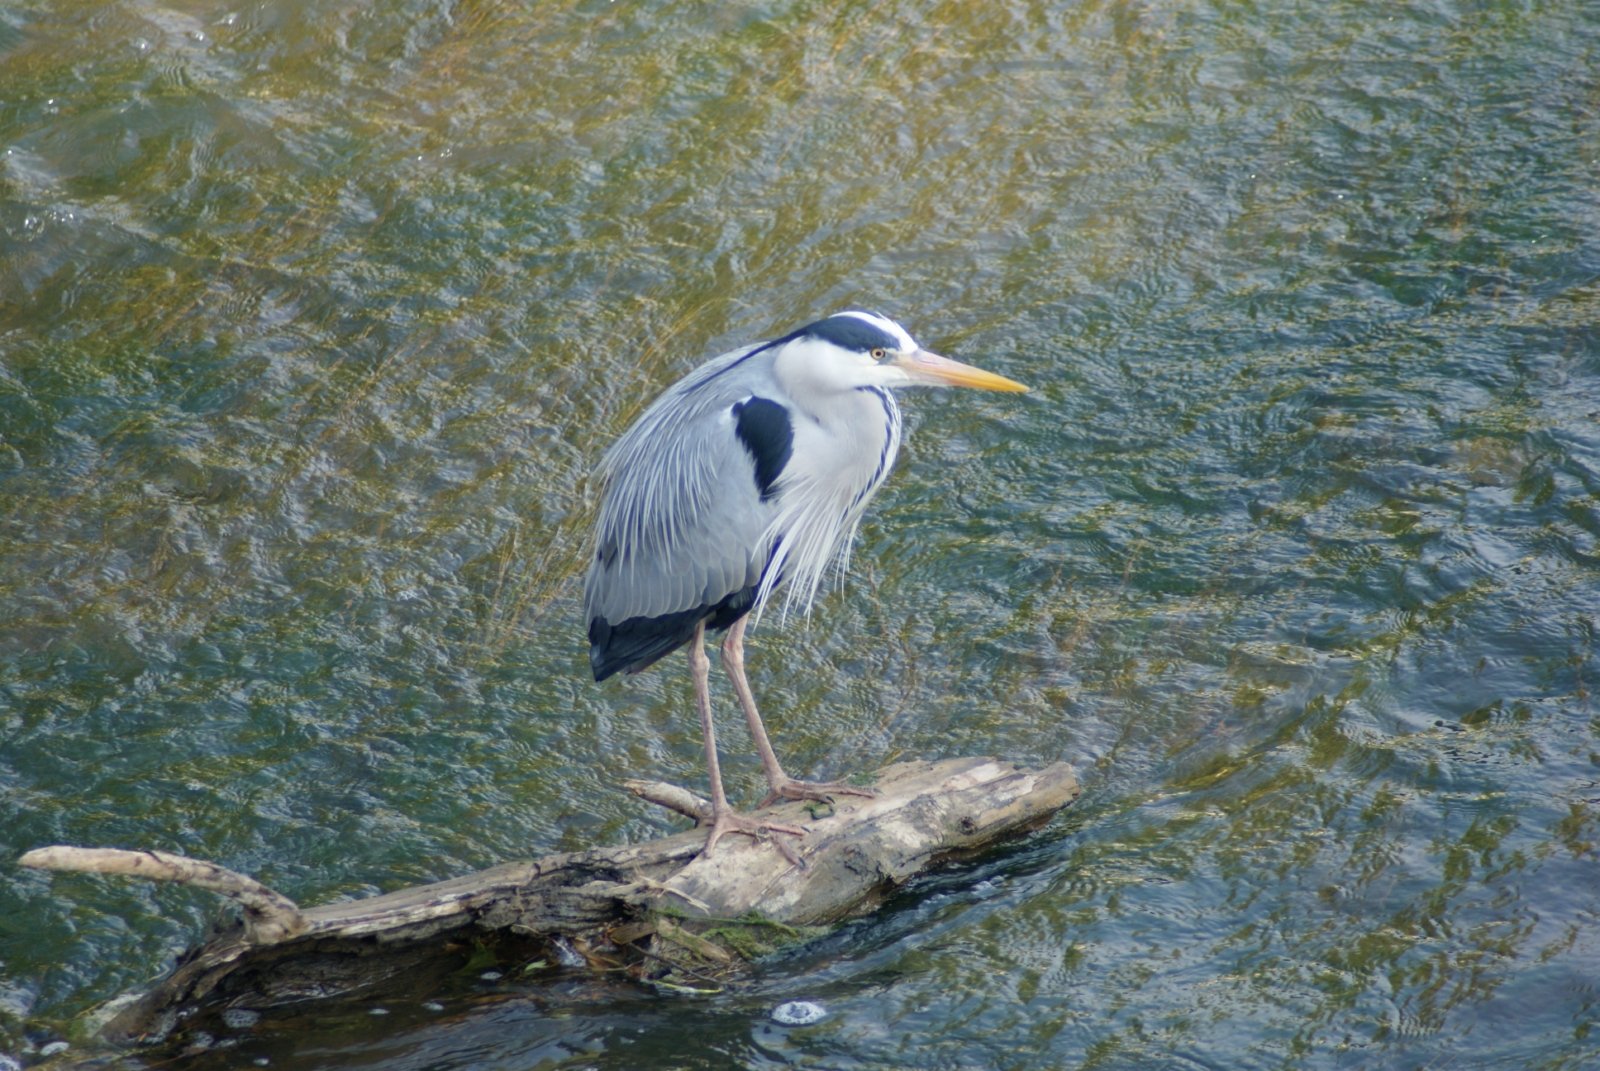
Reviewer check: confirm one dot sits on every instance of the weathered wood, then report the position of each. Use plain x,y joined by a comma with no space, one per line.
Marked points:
635,903
269,916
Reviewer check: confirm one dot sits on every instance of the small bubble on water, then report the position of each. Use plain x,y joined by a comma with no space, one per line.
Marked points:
240,1018
798,1013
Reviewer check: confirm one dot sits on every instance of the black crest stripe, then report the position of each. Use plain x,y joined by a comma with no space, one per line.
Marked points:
851,333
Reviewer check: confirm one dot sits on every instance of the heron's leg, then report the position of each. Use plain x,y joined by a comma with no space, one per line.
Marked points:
733,663
783,786
724,819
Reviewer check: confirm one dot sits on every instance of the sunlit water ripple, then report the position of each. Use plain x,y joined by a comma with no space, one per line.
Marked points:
315,317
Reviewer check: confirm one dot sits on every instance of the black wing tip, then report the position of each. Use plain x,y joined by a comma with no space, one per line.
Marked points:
606,654
637,643
640,642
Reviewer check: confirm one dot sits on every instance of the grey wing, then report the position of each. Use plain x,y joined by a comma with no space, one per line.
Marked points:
683,525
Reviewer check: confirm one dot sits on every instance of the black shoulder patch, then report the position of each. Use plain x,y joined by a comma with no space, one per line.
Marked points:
763,426
851,333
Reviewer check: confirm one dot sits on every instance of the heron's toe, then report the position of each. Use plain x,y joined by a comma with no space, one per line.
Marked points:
792,789
734,822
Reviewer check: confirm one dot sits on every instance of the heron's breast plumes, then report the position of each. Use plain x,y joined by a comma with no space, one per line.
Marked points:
823,492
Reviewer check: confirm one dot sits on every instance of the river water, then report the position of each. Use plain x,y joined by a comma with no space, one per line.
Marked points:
314,318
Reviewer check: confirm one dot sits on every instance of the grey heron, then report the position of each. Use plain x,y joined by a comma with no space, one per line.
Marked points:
750,473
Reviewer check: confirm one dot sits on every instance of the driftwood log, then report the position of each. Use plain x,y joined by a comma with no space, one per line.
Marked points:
653,909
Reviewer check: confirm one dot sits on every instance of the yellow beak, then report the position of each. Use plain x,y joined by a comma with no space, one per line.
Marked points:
924,367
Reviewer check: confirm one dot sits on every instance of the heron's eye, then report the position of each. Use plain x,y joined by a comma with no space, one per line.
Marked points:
879,354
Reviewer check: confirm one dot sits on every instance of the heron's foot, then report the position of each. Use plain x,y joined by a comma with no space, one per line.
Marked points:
791,789
731,821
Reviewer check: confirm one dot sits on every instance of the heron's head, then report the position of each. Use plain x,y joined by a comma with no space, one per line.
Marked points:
855,349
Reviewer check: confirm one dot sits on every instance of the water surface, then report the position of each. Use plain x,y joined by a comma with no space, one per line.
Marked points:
315,317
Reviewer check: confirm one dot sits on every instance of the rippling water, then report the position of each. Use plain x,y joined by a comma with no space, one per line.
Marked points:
314,318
